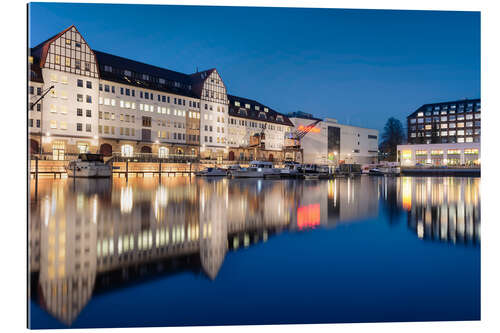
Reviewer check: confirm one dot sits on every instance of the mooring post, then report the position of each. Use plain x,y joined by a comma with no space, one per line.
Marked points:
126,169
36,178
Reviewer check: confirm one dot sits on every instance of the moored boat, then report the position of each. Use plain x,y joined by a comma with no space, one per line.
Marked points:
89,166
212,172
257,169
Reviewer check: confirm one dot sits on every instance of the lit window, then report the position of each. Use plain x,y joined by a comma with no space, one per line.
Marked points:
53,124
127,150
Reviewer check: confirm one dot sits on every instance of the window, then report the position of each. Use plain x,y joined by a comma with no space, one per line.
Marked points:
38,123
89,84
89,113
127,150
79,112
53,124
163,151
88,127
87,67
79,98
79,127
89,99
77,64
146,121
79,83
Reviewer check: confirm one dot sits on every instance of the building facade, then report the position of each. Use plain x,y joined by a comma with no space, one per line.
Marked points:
447,122
102,103
444,134
440,154
328,142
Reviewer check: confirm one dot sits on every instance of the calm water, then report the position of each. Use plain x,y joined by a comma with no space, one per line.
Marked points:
190,251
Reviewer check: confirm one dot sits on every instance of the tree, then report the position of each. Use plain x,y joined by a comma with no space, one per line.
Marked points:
392,137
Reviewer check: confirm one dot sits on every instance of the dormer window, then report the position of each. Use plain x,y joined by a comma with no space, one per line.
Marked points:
242,112
236,103
145,76
257,107
127,73
247,106
266,109
162,81
279,118
108,68
262,115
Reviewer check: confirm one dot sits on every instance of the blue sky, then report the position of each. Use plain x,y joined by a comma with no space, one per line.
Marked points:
358,66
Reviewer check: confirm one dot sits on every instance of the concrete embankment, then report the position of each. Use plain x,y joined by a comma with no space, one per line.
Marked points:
461,172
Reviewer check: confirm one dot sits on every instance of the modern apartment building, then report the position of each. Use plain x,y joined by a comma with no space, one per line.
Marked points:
98,102
447,133
448,122
327,142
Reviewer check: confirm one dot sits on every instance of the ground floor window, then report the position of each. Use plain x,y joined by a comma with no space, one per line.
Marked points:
83,147
58,150
163,152
453,160
127,151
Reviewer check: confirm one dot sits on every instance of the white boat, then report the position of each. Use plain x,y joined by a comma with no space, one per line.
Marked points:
291,169
381,171
232,168
257,169
212,172
89,166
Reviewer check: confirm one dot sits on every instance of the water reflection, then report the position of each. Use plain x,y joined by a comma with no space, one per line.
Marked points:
444,209
91,236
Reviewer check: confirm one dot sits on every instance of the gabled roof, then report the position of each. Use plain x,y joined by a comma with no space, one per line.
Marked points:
198,79
253,114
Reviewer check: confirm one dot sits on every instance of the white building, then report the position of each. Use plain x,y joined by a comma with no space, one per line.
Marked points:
328,142
440,154
99,102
